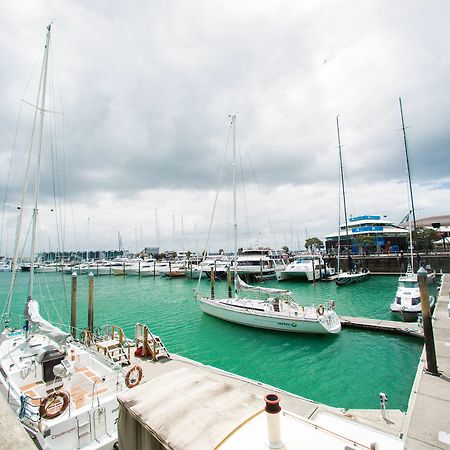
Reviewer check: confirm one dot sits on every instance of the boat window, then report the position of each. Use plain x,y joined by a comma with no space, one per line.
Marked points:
398,300
415,301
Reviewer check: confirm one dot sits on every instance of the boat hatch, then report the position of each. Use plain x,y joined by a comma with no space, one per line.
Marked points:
50,359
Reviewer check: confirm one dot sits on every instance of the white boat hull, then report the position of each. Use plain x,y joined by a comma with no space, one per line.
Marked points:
258,319
350,278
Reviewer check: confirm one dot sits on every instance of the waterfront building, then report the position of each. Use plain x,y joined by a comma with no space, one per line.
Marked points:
384,236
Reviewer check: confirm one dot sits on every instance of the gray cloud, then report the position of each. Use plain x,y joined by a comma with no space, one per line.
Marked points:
146,89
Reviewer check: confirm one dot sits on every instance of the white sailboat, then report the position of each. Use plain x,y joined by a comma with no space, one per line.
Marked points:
274,309
64,394
352,275
407,298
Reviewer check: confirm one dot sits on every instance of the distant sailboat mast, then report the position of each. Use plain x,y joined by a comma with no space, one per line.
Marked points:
410,196
343,191
233,124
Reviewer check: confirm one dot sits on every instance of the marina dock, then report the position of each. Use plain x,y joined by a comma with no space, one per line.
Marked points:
388,326
428,419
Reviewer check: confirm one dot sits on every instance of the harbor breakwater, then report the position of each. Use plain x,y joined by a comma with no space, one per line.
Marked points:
393,263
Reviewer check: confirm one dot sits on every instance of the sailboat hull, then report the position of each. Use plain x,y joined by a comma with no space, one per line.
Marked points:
349,278
259,319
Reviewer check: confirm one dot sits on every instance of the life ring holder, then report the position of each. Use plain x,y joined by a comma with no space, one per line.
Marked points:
320,310
131,379
47,409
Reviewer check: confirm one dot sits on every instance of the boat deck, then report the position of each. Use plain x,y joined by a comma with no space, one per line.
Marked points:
428,419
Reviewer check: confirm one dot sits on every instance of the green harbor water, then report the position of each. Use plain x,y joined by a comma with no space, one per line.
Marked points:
348,370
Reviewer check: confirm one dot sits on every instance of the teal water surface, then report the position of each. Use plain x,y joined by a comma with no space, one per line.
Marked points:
348,370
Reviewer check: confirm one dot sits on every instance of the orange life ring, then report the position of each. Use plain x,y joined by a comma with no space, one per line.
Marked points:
54,404
132,378
320,310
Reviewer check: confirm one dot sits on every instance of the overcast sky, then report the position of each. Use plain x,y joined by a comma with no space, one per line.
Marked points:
146,87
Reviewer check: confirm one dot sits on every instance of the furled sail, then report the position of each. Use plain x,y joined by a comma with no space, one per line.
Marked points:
242,286
38,324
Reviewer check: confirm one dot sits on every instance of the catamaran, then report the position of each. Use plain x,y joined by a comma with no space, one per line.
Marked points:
266,308
64,393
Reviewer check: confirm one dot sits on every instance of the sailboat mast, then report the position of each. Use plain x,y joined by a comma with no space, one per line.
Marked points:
411,198
342,182
233,124
41,108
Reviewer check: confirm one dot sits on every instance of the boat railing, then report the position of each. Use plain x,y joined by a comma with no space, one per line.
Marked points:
29,408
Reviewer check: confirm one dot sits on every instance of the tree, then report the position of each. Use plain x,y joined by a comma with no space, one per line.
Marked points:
364,240
423,238
313,243
285,249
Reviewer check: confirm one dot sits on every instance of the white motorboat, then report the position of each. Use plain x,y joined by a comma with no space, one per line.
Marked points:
407,298
273,309
311,267
260,263
64,394
5,267
219,263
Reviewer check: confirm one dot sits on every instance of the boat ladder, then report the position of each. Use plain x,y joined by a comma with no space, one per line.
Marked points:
116,345
117,353
150,344
84,429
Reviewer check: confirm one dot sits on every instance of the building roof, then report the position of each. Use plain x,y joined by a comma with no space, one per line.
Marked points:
428,221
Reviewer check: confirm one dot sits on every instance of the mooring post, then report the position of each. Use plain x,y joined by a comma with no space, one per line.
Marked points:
313,270
230,292
212,283
73,317
91,305
427,325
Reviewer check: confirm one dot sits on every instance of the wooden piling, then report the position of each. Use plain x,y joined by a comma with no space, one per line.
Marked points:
145,343
212,283
91,305
314,270
73,317
426,320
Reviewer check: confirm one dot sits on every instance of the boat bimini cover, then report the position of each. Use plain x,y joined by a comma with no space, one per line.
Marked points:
38,324
243,286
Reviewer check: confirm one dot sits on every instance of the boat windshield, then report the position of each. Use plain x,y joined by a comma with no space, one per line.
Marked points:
303,260
408,284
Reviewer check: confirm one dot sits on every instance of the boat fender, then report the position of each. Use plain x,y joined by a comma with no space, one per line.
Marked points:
364,270
320,310
133,377
54,404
